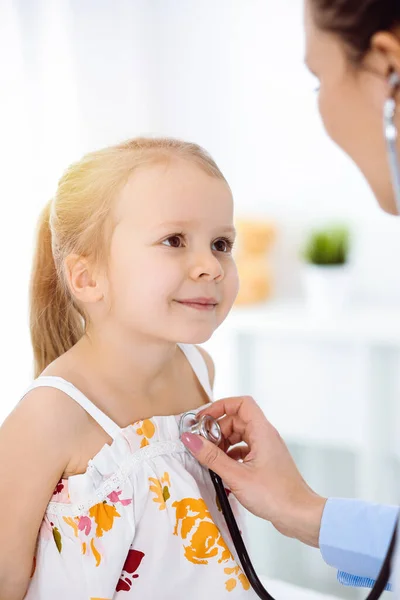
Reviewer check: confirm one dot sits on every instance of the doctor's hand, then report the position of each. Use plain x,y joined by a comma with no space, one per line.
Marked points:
260,471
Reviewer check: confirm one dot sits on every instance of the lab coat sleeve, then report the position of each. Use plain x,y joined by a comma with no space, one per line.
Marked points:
355,537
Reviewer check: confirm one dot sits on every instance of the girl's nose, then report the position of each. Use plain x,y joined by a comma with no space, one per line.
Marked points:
206,266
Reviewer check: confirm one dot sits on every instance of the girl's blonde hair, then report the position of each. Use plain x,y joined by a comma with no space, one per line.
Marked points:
76,221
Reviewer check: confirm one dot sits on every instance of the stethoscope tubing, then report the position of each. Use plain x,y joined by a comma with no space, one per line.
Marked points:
237,539
241,550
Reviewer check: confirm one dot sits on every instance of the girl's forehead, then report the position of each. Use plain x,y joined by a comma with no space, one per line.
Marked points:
179,190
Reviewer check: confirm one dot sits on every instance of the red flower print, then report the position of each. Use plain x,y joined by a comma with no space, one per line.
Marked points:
131,565
59,488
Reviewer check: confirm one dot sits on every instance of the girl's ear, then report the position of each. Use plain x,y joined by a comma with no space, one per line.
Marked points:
84,283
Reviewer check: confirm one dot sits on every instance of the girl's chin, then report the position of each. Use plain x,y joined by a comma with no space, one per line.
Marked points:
195,337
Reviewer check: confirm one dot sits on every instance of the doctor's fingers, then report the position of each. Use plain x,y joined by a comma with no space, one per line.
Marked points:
245,407
233,431
258,434
238,452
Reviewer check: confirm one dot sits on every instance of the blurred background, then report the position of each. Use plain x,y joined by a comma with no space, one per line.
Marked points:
314,339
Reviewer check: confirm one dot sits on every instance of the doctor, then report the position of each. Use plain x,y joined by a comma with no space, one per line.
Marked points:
353,48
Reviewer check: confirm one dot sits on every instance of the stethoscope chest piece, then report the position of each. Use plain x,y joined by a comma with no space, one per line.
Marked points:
206,426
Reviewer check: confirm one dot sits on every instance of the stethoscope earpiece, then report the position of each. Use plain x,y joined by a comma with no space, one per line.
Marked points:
391,134
394,80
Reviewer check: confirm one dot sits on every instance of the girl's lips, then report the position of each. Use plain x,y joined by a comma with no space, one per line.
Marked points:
199,303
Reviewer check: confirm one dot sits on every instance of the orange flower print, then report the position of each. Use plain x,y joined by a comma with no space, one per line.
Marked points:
230,584
131,565
147,429
197,526
72,523
161,490
204,540
103,515
95,552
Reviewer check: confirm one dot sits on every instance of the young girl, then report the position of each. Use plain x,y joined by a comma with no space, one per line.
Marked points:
98,496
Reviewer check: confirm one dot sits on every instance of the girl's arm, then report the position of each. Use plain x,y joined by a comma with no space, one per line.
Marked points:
35,448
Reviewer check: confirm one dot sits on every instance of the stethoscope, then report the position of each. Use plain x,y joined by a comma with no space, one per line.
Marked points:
209,428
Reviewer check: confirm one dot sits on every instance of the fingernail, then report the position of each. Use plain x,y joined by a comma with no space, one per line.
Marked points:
193,442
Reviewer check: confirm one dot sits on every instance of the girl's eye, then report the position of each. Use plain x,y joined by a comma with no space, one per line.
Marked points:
223,245
174,241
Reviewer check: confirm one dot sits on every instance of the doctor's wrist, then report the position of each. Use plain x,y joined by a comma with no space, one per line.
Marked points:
309,520
304,520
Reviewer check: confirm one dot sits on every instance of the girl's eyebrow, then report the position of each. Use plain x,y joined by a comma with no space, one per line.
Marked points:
184,224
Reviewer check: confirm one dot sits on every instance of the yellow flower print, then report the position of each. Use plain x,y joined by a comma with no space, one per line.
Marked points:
204,540
147,429
70,521
96,553
161,490
230,584
103,515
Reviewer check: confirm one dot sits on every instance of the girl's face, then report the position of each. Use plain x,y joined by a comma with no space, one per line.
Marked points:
171,274
351,100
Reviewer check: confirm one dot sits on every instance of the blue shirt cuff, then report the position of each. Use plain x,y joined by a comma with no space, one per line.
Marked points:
354,538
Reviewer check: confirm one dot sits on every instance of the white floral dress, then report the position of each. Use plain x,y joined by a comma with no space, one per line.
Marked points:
142,522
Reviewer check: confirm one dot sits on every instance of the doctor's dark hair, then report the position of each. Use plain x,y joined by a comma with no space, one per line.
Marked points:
356,21
78,221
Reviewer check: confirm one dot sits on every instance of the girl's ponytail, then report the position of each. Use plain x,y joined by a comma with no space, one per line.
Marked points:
55,323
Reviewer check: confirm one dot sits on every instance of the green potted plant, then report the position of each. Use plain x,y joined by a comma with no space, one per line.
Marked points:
326,273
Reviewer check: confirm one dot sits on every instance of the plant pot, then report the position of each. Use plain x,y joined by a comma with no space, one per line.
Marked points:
327,288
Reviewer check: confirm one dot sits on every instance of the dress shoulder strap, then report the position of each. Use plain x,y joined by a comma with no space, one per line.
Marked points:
111,428
199,366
